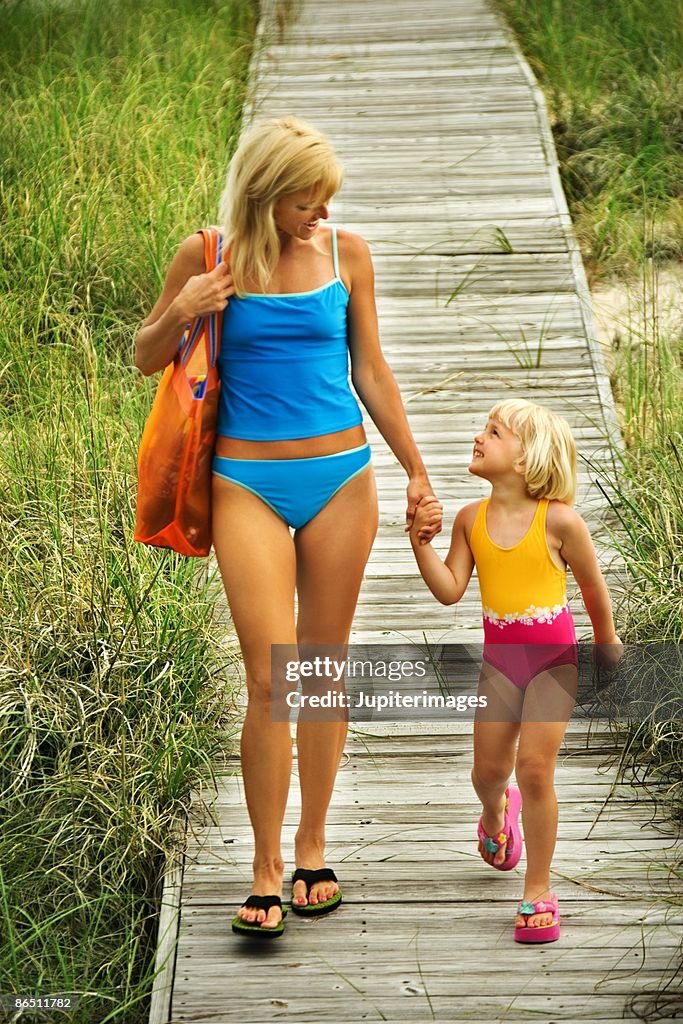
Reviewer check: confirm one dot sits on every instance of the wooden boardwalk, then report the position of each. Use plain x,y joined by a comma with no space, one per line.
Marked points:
451,177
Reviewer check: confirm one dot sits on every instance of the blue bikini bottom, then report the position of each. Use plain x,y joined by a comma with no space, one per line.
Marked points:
296,489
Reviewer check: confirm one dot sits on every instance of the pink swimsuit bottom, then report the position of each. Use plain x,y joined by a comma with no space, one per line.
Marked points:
521,651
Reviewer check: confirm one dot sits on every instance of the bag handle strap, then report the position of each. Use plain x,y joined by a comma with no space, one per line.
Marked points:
213,254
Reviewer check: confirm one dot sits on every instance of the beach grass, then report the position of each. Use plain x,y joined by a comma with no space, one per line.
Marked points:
613,79
116,127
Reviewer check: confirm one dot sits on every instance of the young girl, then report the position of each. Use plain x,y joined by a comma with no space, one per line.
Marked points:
521,540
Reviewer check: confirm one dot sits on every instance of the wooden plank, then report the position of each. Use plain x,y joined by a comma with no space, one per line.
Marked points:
340,1003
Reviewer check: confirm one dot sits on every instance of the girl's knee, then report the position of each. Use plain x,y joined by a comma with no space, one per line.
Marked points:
535,773
490,772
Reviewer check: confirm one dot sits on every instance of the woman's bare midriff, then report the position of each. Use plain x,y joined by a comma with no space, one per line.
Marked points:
298,448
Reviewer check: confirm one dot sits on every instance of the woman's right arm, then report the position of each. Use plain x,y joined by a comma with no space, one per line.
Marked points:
188,292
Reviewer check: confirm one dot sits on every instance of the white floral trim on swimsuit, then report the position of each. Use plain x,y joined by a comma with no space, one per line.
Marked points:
533,614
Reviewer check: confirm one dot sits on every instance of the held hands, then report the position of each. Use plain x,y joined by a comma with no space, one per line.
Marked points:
426,521
205,293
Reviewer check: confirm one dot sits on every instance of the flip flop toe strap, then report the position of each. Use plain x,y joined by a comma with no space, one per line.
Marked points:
309,877
263,903
527,907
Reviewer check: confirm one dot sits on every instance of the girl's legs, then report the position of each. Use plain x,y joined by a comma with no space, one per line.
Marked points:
256,558
549,695
332,551
496,728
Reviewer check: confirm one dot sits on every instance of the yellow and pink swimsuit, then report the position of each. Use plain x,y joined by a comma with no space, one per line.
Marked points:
524,601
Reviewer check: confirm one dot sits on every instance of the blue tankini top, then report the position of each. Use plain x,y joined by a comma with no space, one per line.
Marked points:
284,364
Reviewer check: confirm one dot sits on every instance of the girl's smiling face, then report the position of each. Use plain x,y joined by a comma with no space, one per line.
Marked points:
497,449
299,213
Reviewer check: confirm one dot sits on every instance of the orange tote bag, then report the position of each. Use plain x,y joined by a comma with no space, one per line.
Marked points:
176,450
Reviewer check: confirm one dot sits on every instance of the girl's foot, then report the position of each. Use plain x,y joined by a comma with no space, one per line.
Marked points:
493,823
532,893
503,848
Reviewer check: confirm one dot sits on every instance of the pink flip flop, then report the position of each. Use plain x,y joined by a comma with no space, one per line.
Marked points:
544,933
511,836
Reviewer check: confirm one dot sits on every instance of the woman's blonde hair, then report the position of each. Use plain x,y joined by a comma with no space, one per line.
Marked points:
273,159
548,449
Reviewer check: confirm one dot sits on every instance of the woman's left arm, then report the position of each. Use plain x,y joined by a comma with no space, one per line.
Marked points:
371,374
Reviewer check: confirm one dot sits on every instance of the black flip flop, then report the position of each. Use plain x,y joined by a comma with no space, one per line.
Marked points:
310,878
253,929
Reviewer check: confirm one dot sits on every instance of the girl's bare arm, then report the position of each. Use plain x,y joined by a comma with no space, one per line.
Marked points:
447,580
579,553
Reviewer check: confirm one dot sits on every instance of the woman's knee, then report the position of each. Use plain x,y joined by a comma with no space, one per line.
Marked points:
260,688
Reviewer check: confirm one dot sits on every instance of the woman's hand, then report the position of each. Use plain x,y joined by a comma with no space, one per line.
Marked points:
203,294
188,291
419,487
427,520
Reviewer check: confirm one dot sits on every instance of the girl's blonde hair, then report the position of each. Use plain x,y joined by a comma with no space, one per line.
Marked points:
548,449
274,158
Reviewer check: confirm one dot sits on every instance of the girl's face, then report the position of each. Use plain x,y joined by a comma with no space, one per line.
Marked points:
496,450
298,215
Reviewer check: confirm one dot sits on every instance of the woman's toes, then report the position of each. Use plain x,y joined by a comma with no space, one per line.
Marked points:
299,894
322,892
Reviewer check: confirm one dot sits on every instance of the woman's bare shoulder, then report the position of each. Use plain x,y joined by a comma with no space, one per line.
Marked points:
355,260
353,250
190,253
351,244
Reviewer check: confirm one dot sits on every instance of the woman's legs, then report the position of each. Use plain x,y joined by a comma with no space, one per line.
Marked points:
548,704
256,557
332,551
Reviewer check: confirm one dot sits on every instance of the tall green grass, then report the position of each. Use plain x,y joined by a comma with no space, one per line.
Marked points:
647,498
116,125
613,78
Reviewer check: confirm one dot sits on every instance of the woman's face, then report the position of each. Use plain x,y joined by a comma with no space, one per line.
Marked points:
298,215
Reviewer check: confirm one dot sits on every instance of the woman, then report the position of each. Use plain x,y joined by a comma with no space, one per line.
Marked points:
291,452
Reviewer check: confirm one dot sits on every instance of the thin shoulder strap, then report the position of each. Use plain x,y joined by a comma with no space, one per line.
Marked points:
335,254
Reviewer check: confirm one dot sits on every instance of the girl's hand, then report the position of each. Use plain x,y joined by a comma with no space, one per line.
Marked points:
609,652
426,520
207,293
418,488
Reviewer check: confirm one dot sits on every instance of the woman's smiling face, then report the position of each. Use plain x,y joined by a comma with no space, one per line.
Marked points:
299,213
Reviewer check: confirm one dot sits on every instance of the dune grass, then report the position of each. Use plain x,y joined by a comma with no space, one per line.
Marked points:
116,127
613,79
